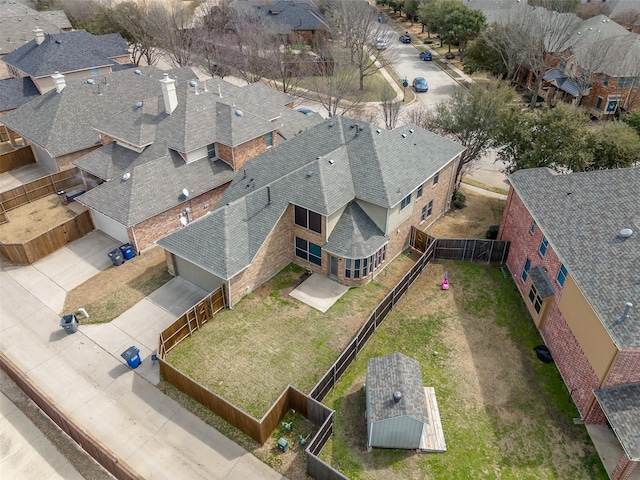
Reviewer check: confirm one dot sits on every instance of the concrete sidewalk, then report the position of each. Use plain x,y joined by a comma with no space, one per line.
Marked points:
84,375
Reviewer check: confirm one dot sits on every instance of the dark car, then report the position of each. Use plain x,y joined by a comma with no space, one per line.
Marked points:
305,111
426,56
405,38
420,84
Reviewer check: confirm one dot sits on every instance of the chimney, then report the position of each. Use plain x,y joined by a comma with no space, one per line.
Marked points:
39,33
59,81
169,93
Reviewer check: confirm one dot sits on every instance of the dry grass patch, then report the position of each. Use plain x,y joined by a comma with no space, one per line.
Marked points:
110,293
471,221
33,219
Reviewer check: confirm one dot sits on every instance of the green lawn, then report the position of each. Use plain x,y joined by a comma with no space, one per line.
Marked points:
505,414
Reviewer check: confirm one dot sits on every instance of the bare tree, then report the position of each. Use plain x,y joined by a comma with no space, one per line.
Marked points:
390,107
174,23
588,60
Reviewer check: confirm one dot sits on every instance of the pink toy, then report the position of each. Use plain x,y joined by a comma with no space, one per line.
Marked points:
445,282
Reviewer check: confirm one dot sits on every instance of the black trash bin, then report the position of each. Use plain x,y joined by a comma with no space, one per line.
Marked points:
69,323
116,257
127,251
132,356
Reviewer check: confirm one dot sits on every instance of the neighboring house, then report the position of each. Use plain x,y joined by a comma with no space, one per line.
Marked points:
168,158
575,257
401,413
627,14
300,22
339,199
17,23
76,55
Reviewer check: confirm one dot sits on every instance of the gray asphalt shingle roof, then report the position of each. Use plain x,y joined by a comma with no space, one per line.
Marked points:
541,281
581,215
322,169
67,52
15,92
621,405
395,373
355,235
293,15
18,30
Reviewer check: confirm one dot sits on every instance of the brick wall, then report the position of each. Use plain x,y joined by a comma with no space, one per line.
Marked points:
148,231
626,369
64,161
624,468
276,253
236,157
311,236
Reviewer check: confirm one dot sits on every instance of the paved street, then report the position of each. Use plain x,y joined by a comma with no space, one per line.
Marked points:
85,376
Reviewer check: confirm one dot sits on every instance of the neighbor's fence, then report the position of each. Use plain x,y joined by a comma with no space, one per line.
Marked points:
310,405
16,159
37,189
470,249
48,242
90,445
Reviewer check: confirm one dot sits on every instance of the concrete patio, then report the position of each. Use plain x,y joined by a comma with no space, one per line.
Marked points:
319,292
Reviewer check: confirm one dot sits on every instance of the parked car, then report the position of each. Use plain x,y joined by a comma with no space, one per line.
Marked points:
426,56
305,111
405,38
420,84
381,43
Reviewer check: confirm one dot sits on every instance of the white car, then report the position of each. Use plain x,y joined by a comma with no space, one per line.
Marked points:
381,43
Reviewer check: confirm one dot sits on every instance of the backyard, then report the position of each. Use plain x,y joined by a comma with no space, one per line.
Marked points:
505,414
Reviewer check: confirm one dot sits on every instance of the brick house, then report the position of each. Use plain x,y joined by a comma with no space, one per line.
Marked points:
578,276
298,22
339,199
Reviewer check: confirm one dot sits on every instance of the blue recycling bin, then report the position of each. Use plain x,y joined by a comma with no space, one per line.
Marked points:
132,356
127,251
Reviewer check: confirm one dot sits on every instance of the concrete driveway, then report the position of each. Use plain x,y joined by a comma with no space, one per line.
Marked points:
86,378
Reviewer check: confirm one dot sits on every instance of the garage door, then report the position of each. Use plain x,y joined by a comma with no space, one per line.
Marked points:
197,275
110,227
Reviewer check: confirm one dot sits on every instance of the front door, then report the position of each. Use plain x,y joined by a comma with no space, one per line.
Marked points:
333,268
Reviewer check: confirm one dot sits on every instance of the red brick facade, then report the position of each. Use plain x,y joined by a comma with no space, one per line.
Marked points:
624,469
577,372
237,156
148,231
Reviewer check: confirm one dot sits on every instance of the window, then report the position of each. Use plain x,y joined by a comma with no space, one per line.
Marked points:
211,150
308,251
525,271
606,80
94,72
419,194
361,267
533,227
543,246
429,208
308,219
269,138
405,202
599,103
423,214
436,177
563,64
535,299
562,275
626,82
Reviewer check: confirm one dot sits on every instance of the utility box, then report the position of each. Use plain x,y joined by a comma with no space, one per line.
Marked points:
283,444
69,323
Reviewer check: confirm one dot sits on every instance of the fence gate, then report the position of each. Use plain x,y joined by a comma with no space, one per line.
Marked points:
482,250
418,240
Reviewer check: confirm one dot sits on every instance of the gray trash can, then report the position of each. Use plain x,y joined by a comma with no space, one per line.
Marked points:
69,323
116,257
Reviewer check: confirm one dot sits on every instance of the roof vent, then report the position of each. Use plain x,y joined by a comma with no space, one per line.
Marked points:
193,83
239,113
137,71
90,81
397,396
625,233
58,42
378,131
411,130
404,135
126,177
625,314
309,174
331,162
137,106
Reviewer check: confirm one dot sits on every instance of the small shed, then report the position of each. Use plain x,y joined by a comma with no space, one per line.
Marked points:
401,412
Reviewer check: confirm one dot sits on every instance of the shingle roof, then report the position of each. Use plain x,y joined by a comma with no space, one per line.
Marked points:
15,92
67,52
322,169
621,59
355,235
290,15
395,373
581,215
18,30
541,281
621,405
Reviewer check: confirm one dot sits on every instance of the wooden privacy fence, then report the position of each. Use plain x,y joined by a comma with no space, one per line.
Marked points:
48,242
37,189
90,445
308,405
461,248
16,159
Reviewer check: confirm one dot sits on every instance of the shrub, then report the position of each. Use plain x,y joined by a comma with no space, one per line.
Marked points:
492,233
460,196
449,55
428,41
458,204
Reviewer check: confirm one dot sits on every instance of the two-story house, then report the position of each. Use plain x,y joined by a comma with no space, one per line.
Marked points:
339,199
575,258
